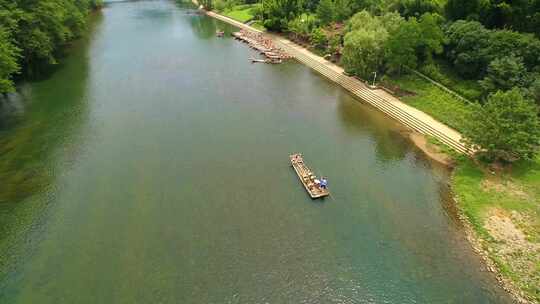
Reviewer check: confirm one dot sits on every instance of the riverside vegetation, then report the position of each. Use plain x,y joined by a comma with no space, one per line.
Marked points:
33,35
486,52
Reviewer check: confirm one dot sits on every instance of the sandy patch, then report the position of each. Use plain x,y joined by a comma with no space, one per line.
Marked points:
512,245
430,150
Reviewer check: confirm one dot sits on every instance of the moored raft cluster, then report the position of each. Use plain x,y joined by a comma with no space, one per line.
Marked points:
262,44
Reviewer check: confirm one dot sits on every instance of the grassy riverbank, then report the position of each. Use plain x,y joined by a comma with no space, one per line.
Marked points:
501,203
242,13
428,98
503,208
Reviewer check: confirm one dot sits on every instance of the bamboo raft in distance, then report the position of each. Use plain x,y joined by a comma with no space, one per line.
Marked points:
305,174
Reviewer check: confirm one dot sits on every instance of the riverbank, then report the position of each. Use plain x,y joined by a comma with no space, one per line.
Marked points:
489,228
499,210
149,135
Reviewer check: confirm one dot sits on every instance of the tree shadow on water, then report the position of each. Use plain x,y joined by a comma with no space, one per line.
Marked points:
38,124
388,136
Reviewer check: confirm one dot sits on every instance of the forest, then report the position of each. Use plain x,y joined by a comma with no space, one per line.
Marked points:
33,34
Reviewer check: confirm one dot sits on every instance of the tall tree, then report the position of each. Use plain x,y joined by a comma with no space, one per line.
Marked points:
505,73
466,42
326,11
505,128
432,36
363,51
401,46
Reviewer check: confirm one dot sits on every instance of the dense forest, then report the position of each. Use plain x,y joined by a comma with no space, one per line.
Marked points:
32,34
493,44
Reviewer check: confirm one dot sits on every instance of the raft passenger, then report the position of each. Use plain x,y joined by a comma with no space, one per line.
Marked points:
324,183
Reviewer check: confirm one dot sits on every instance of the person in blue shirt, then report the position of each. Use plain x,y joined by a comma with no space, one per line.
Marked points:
324,182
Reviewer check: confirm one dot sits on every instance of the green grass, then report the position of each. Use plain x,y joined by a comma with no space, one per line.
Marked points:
258,25
432,100
479,191
476,201
241,13
465,87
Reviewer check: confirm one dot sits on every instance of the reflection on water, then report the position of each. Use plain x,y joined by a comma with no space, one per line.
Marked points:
37,124
391,144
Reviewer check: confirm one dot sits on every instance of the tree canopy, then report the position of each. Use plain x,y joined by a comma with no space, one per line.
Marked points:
33,32
506,128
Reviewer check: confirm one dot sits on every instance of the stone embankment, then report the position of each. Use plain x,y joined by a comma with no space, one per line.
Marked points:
380,99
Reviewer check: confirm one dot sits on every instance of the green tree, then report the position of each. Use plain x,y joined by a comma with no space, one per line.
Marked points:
505,128
278,13
432,36
9,55
416,8
34,32
401,46
318,38
504,42
326,11
505,73
343,10
466,44
534,89
363,20
463,9
363,51
303,25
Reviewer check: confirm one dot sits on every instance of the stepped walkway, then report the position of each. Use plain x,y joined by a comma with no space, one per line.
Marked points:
380,99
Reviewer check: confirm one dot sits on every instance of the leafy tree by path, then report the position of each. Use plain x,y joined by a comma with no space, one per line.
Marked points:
506,127
363,51
318,39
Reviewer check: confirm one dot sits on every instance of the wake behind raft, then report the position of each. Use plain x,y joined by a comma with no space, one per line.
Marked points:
315,187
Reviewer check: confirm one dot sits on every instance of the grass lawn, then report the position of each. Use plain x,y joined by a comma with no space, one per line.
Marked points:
258,25
465,87
242,13
432,100
504,210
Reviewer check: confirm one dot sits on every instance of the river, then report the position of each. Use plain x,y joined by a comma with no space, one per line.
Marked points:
152,167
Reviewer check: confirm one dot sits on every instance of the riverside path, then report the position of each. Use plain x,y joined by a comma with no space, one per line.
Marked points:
378,98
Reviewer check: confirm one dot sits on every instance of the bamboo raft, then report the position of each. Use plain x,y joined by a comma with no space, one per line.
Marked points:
255,60
307,177
263,45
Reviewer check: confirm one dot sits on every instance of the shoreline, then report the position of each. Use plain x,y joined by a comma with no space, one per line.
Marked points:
434,153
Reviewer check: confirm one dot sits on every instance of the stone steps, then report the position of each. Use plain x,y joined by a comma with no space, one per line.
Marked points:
360,90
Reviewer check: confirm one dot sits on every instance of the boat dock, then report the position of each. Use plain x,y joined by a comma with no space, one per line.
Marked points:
309,180
263,45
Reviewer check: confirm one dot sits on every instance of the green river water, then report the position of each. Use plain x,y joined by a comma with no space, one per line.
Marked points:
152,167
